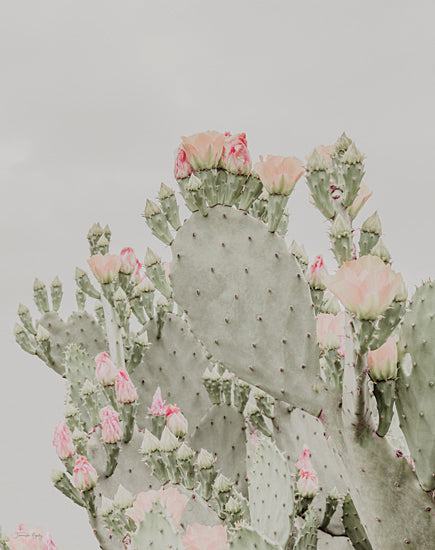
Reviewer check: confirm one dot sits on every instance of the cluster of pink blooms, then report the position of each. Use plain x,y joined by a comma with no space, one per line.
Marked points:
197,537
31,539
211,149
175,420
307,484
106,267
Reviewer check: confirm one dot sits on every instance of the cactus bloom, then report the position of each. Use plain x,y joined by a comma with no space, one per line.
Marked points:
48,542
317,273
106,369
111,431
204,150
105,268
279,174
63,442
307,484
128,261
182,168
170,497
176,421
365,286
382,362
124,387
203,537
331,331
304,461
235,155
158,407
84,474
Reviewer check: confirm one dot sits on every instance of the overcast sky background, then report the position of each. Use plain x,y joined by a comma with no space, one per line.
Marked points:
94,96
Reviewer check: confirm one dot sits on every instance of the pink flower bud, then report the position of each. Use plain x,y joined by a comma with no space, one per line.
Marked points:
105,268
365,286
128,261
203,537
330,331
48,542
182,168
176,421
304,461
317,273
382,362
158,407
111,431
124,387
235,155
279,174
307,484
106,369
63,442
84,475
204,150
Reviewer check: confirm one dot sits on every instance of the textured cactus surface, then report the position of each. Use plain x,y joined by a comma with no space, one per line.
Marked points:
242,396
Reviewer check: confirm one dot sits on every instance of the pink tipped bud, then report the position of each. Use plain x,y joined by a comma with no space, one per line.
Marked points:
304,462
316,274
48,542
176,421
105,268
124,387
308,484
158,407
182,168
203,537
382,362
331,331
63,442
235,155
111,431
128,261
84,475
106,369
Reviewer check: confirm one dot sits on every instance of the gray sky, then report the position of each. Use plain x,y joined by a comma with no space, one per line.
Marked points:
93,99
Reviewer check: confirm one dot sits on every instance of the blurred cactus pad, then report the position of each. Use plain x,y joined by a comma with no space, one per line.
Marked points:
240,395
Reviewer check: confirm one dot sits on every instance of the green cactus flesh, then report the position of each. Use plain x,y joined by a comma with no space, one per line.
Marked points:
353,527
219,264
246,537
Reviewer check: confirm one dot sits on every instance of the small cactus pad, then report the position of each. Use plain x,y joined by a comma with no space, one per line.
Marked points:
248,302
222,432
175,362
246,537
353,527
416,389
156,532
81,328
307,538
270,492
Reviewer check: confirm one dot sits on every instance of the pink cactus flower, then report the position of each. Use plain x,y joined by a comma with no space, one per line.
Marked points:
124,388
204,150
48,542
27,539
106,369
235,155
176,421
331,331
279,174
84,474
170,497
63,442
317,273
105,268
111,431
128,261
203,537
158,407
307,484
182,168
365,286
304,461
382,362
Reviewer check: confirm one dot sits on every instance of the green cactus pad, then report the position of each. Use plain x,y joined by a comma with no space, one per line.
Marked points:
175,362
416,390
307,538
329,542
353,527
222,432
271,492
81,329
246,537
156,532
248,302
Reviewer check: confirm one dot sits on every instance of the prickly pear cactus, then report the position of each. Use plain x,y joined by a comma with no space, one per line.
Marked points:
240,397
